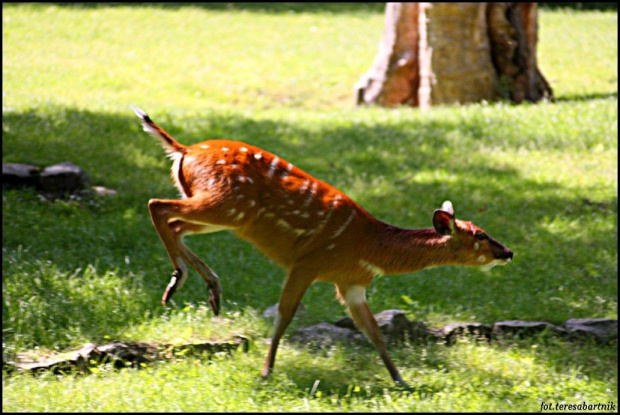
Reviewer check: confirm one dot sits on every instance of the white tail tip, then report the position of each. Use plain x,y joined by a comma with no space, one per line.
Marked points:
141,114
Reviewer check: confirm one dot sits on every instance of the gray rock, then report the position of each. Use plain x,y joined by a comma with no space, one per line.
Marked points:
451,332
63,178
103,191
16,175
122,354
525,328
394,325
325,334
601,329
347,323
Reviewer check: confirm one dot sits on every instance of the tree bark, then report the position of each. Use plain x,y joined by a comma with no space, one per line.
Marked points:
455,53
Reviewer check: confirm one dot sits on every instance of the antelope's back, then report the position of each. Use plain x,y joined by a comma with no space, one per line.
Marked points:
265,199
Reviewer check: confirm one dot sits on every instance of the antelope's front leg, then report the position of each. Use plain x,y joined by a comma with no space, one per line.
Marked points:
355,298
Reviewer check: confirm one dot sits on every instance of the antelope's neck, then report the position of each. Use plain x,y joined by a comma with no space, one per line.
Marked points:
399,251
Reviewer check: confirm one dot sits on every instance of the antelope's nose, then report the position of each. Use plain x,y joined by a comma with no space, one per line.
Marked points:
507,255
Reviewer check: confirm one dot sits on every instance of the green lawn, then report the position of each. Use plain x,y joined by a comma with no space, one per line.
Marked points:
541,179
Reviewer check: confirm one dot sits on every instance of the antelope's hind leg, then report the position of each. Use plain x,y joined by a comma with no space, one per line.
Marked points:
173,219
295,286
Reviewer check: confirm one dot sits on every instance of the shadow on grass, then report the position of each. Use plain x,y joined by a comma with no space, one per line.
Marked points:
375,162
258,7
587,97
431,368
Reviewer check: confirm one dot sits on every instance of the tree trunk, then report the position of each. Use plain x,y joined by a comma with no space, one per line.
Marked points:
455,53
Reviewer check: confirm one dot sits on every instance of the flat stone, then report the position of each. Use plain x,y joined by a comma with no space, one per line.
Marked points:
103,191
394,325
17,175
347,323
63,178
325,334
525,328
601,329
451,332
121,355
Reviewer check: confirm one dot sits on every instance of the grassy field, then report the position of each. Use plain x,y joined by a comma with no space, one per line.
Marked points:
540,178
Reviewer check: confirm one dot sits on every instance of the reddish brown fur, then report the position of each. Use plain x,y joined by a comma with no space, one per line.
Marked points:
311,228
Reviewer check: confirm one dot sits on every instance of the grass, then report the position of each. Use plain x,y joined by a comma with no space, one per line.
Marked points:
540,178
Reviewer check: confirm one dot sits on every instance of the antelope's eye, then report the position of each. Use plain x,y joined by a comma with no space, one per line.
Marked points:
481,236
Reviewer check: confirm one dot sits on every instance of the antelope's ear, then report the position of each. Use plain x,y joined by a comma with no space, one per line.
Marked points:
447,206
443,221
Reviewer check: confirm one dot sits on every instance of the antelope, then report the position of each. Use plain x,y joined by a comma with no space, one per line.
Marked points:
309,227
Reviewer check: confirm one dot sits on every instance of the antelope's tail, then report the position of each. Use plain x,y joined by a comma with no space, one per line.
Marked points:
170,144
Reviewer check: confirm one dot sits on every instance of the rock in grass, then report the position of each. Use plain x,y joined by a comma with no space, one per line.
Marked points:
103,191
17,175
394,325
601,329
450,332
325,334
63,178
525,328
121,355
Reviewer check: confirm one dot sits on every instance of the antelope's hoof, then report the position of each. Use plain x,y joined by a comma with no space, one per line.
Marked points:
214,300
265,373
172,286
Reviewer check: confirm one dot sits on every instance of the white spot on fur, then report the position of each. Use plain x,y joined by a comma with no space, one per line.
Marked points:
251,203
304,187
272,167
211,182
344,226
282,223
330,247
204,146
240,197
311,195
476,246
250,179
258,156
240,216
305,215
481,258
231,212
243,149
375,270
298,232
224,149
314,187
221,162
